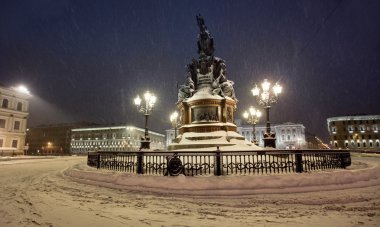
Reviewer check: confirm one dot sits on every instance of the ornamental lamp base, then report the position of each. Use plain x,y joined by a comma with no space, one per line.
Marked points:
269,139
145,144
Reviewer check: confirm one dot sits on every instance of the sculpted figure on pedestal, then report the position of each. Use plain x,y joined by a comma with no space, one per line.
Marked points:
206,71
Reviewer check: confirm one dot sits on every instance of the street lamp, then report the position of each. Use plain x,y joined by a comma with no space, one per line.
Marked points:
266,96
252,116
146,108
174,121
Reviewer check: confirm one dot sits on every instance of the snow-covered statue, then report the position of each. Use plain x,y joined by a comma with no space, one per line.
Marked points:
186,90
206,72
228,89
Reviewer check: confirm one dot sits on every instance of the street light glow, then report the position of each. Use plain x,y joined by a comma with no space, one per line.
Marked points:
252,117
174,121
22,89
265,98
147,96
145,108
245,114
277,89
265,85
255,90
137,101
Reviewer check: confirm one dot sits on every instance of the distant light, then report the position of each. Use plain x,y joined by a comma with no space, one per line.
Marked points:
22,89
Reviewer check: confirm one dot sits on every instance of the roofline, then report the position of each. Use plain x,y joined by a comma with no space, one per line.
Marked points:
114,127
348,118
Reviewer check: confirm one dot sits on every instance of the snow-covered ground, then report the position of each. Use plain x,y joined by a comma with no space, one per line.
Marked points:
63,191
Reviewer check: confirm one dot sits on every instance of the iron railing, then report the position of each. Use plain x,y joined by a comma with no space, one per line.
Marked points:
220,162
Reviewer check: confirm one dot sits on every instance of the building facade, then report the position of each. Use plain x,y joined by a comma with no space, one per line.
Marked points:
354,132
116,138
288,135
52,139
14,111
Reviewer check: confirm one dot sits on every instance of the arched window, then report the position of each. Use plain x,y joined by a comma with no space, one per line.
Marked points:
19,106
5,103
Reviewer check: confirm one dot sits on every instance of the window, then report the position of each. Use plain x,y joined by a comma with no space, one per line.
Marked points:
19,106
1,142
16,125
2,123
14,143
5,103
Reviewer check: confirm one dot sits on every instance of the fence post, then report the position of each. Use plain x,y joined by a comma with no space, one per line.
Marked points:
140,157
299,167
342,161
98,161
218,163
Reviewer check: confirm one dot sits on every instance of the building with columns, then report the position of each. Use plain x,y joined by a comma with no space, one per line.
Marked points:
359,132
114,138
288,135
14,111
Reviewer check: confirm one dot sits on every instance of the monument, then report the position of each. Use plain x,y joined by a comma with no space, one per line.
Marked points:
207,102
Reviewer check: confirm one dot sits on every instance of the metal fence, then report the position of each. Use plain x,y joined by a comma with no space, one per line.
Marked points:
220,162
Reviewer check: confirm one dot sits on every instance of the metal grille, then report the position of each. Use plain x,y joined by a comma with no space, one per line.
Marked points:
220,162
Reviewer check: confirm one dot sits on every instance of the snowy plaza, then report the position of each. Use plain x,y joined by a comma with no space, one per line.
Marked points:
242,89
64,191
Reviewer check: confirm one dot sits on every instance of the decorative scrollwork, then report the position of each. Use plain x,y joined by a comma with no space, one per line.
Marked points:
156,166
175,166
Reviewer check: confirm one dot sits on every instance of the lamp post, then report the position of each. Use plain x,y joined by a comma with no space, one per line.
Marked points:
266,96
146,108
174,121
252,116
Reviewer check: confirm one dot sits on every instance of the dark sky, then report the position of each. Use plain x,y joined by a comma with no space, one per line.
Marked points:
87,60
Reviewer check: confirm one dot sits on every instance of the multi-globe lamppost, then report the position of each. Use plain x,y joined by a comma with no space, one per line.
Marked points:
266,96
252,116
146,108
174,121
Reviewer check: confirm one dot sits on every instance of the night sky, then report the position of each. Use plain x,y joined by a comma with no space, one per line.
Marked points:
87,60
